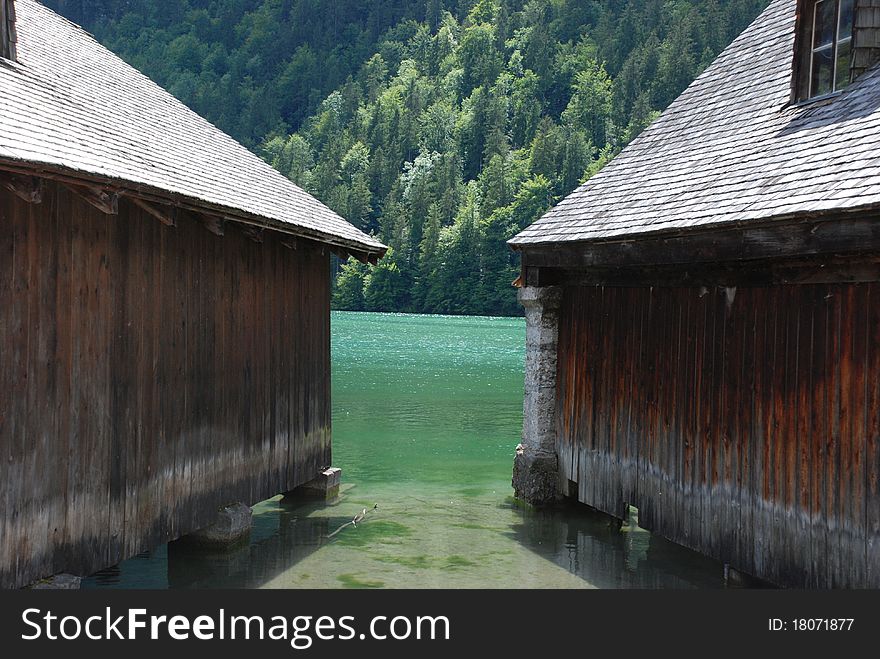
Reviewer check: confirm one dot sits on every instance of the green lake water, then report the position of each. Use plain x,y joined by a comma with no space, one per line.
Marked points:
427,411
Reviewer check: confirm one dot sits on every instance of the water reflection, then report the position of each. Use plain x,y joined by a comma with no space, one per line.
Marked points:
477,540
607,553
284,533
295,536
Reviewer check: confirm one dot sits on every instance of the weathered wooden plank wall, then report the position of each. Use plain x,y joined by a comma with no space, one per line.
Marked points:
8,36
742,423
866,36
148,375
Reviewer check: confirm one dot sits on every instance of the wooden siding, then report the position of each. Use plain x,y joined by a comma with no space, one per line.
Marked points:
866,36
743,423
148,375
8,36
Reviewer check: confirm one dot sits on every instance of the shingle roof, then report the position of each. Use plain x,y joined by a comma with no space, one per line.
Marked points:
731,149
70,104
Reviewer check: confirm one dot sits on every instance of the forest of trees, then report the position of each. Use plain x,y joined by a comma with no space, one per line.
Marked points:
442,127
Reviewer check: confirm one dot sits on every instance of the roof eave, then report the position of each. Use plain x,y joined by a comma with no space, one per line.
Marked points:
367,252
852,229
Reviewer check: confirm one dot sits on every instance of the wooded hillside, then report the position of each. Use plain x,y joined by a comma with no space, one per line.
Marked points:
443,127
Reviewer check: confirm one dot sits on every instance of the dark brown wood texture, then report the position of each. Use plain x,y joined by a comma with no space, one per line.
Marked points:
742,423
148,375
8,37
866,36
799,238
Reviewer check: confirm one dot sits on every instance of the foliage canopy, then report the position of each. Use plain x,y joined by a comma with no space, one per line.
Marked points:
442,126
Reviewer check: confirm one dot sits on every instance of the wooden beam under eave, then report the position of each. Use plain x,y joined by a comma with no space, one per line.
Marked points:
253,233
166,215
106,201
364,257
801,238
214,224
343,254
817,270
27,188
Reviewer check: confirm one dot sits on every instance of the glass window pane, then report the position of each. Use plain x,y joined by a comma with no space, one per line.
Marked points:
844,59
825,23
823,66
846,19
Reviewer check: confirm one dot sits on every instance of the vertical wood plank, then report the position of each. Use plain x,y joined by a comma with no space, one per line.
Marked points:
759,432
852,475
322,392
832,502
773,434
872,441
747,423
152,516
564,401
13,372
39,422
127,377
693,448
710,449
804,437
674,377
52,210
820,431
52,363
730,485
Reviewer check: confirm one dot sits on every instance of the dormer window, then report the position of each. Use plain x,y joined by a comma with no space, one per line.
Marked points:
837,41
7,30
831,56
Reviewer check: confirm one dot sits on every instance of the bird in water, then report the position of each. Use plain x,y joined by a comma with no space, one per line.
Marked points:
361,515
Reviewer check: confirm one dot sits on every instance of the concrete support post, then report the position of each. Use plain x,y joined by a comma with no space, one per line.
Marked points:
535,468
232,527
325,487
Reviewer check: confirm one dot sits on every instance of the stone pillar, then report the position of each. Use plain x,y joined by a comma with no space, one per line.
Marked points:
535,468
325,487
231,528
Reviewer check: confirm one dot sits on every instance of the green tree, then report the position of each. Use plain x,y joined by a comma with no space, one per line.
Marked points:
526,109
546,149
479,58
590,105
384,288
533,199
292,157
428,268
459,252
577,153
349,292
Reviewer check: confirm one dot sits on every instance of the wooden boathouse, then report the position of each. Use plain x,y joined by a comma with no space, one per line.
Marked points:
704,314
164,311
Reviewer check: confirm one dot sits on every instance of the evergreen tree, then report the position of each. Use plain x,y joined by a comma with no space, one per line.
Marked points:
384,287
349,293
